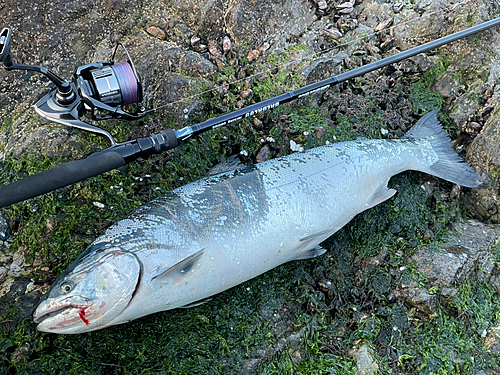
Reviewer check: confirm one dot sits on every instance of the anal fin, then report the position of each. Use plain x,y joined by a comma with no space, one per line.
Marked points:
309,247
311,253
380,195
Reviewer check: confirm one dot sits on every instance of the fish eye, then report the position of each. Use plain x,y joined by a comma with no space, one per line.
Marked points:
66,287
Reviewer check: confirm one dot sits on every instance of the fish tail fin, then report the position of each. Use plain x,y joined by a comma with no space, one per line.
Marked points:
450,166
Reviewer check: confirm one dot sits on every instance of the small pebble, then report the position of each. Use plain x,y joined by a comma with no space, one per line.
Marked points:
319,132
384,24
332,33
195,40
156,32
345,8
99,204
246,93
264,46
263,154
213,48
226,44
253,54
295,147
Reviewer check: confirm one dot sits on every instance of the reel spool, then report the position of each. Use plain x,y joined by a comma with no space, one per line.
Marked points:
107,85
115,85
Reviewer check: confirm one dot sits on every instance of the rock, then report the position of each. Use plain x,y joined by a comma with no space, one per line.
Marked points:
156,32
465,108
373,13
323,68
195,64
484,155
492,340
253,54
268,19
447,86
263,154
365,363
423,27
466,252
424,62
425,303
21,353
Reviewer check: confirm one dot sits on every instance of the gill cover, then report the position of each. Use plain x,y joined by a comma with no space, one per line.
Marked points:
92,293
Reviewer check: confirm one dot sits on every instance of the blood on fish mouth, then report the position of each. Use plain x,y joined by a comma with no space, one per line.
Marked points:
81,312
47,315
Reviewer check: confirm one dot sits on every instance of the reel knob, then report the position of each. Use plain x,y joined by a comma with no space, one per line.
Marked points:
5,39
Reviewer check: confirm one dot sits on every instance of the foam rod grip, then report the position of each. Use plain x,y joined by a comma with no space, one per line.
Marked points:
58,177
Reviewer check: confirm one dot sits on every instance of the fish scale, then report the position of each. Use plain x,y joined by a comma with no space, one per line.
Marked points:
220,231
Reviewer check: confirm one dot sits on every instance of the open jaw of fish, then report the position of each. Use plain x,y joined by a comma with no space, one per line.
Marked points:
97,288
220,231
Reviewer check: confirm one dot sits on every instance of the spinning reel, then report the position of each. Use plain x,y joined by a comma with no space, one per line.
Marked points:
103,88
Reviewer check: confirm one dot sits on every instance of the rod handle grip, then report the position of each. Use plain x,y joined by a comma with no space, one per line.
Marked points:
58,177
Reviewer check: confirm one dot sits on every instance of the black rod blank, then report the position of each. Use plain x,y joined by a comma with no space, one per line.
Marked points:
325,84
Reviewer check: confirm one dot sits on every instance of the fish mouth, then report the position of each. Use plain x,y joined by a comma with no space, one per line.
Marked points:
49,314
56,317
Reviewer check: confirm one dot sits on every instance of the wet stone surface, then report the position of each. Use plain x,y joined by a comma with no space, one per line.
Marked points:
466,254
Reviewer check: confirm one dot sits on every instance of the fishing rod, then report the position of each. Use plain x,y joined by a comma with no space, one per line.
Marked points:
105,88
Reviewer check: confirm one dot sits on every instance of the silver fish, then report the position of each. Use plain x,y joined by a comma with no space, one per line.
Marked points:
222,230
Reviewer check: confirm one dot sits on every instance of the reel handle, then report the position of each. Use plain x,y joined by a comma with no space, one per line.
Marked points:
58,177
5,39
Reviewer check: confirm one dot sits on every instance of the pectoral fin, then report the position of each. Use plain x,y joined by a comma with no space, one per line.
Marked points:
230,164
311,237
179,269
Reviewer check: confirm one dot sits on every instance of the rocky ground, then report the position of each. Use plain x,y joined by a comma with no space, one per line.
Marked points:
411,286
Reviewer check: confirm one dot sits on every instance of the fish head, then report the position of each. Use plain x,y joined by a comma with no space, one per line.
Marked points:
91,293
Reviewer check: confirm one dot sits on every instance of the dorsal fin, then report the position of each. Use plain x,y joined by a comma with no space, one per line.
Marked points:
230,164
